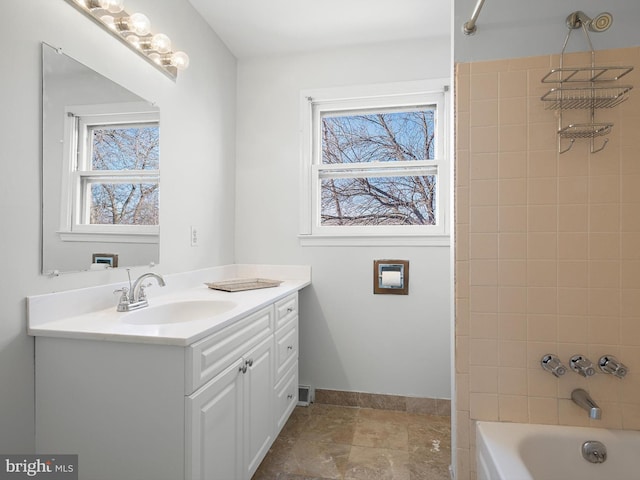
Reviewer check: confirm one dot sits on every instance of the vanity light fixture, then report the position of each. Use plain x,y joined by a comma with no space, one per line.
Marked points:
134,30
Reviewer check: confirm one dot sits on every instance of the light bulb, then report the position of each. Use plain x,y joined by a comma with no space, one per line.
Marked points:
156,57
161,43
113,6
133,40
139,24
180,60
109,21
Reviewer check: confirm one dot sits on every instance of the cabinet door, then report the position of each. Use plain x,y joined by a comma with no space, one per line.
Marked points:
214,416
258,399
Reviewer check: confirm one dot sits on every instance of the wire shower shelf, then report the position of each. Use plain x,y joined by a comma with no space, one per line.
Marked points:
585,130
596,96
589,88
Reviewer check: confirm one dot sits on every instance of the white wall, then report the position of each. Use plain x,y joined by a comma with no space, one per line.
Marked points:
349,339
508,29
197,158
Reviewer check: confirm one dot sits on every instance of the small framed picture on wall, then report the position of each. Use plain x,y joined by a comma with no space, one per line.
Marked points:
110,259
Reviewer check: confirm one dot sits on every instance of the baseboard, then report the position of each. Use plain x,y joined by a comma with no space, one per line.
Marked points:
426,406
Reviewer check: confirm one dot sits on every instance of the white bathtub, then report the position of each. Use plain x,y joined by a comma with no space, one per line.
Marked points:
517,451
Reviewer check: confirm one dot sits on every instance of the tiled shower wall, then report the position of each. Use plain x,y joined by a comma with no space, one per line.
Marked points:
547,250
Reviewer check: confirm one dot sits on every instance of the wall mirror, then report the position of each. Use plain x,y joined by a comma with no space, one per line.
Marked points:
100,170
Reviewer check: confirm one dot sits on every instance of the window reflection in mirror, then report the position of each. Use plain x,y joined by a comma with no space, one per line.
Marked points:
100,166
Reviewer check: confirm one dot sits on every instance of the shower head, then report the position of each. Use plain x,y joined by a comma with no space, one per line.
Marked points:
601,23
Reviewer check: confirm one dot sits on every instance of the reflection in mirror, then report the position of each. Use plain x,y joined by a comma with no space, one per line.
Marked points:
100,170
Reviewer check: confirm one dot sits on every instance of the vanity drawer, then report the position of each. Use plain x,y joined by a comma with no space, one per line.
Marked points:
211,355
286,309
286,347
286,397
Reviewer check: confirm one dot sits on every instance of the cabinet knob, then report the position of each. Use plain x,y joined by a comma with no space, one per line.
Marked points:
249,362
290,396
290,347
289,309
243,368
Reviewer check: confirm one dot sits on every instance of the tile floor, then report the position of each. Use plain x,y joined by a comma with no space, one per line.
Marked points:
323,442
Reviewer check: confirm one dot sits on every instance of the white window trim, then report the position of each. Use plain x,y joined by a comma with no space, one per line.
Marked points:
312,103
71,230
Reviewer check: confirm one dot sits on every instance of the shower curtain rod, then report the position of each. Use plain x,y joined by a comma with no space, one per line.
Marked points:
470,28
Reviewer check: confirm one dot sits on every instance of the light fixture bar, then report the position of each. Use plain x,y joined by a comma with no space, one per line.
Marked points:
134,31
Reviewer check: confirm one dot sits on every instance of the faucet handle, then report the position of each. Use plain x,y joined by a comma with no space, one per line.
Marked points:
610,364
123,301
552,363
143,294
582,366
124,291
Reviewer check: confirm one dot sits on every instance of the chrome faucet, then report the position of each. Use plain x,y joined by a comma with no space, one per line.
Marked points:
134,297
581,398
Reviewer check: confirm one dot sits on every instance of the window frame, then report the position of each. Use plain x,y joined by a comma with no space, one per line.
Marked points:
77,177
365,99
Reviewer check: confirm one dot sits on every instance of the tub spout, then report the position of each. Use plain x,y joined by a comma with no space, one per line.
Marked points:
581,398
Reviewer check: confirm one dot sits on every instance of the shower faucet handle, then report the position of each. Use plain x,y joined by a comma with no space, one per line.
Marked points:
610,364
552,363
582,366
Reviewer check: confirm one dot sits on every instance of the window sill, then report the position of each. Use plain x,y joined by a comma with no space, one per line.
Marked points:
375,240
151,238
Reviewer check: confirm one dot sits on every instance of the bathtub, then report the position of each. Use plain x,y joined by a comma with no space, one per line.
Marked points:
517,451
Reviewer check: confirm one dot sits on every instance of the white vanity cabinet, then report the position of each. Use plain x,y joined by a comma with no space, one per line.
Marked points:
144,411
230,418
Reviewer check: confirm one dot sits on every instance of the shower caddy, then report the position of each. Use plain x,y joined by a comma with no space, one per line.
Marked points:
588,88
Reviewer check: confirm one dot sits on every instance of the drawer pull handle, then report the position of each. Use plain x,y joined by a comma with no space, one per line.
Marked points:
243,368
289,309
290,347
290,396
249,362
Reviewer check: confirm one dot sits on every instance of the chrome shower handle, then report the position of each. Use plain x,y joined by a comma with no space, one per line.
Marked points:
610,364
582,366
552,363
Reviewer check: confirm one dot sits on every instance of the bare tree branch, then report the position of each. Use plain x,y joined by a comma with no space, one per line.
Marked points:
380,137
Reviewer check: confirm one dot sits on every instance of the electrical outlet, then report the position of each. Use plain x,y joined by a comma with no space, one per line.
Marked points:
194,236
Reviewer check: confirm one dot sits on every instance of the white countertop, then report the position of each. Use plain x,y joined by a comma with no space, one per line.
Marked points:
82,314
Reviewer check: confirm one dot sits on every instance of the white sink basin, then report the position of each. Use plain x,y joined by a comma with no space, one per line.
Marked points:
177,312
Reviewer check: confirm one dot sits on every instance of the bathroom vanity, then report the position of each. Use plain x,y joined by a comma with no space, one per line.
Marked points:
185,399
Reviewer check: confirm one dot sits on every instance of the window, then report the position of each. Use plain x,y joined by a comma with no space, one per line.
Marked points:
112,190
375,167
